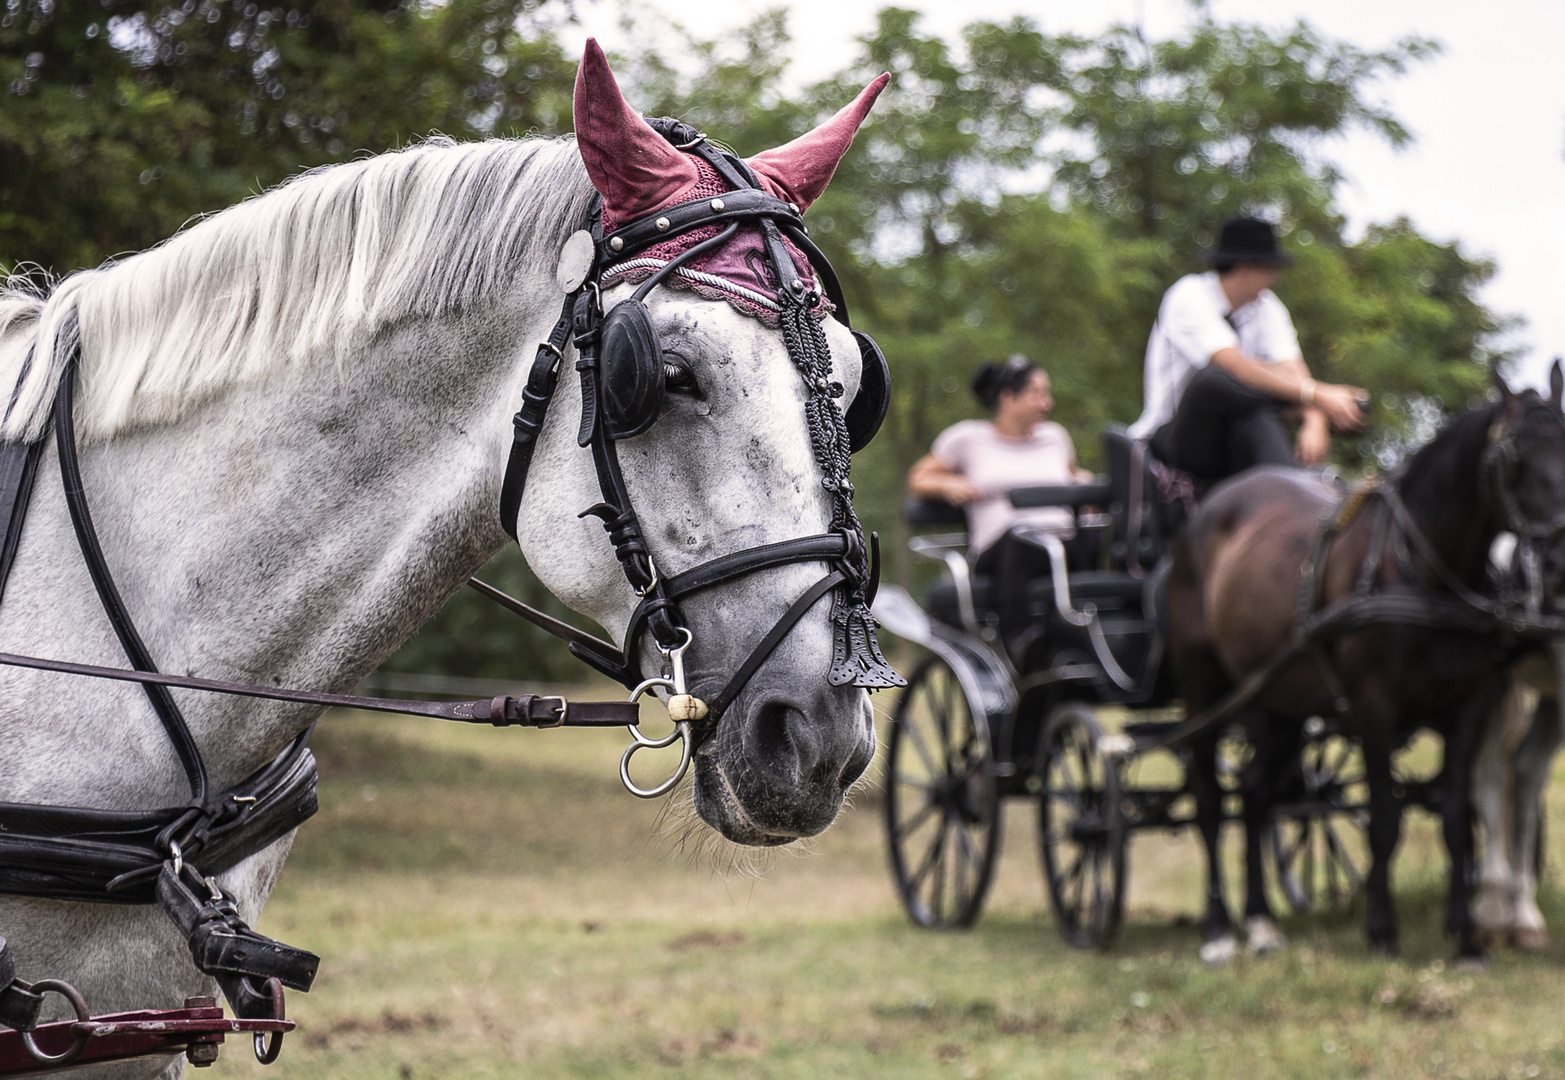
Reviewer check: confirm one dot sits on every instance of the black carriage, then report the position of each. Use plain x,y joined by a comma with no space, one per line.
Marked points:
1068,711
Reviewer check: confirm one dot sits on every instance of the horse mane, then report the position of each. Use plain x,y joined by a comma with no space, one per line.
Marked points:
1433,465
305,273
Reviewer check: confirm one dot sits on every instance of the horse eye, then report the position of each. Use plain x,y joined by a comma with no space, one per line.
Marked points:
678,379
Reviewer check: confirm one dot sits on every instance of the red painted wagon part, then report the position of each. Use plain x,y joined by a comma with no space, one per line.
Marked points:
196,1030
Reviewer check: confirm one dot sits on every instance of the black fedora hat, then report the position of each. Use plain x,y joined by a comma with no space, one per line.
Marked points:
1247,240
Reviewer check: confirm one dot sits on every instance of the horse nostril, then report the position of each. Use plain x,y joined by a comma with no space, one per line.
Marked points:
774,744
857,762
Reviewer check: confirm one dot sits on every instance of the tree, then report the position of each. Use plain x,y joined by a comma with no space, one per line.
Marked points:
1036,194
121,119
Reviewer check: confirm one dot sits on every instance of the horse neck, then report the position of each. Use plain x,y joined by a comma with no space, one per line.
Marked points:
1442,491
293,534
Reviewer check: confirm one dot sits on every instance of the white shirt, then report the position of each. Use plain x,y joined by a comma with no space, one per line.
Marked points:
994,465
1193,322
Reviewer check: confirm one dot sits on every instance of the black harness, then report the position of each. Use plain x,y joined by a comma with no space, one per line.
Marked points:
1442,604
622,377
139,857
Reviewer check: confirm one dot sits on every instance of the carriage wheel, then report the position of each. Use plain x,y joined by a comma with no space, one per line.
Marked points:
942,803
1317,845
1081,828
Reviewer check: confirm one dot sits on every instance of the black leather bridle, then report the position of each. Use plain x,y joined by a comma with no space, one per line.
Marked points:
1498,466
107,856
612,352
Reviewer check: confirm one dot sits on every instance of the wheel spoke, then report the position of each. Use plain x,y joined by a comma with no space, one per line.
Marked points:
1072,778
1100,904
1069,798
938,893
1339,855
919,746
930,856
968,848
1076,881
919,817
947,708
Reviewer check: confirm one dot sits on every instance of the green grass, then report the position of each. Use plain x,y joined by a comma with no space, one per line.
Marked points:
492,904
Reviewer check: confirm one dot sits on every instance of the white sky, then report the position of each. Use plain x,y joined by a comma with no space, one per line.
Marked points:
1487,167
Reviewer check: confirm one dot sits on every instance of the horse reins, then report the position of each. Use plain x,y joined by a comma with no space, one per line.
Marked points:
106,856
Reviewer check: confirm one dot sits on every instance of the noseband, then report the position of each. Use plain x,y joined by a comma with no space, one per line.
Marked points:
621,372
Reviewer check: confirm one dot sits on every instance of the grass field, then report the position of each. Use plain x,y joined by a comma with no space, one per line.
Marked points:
493,904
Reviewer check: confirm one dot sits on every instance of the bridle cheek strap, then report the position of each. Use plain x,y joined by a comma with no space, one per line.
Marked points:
758,656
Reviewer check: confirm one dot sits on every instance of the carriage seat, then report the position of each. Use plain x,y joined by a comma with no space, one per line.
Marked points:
923,513
1107,590
1144,526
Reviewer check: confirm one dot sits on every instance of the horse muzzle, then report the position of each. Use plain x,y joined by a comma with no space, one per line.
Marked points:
780,763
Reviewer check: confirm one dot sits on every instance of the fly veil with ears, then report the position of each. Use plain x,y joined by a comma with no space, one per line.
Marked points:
742,239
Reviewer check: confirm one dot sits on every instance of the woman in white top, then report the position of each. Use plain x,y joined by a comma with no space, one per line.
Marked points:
974,464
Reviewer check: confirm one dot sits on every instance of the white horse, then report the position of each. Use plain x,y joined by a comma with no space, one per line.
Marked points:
294,418
1509,776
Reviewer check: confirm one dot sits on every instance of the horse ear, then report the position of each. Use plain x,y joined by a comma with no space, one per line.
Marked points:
634,168
1556,383
1507,397
799,171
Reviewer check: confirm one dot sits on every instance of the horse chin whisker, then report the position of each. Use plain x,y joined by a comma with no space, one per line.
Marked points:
698,846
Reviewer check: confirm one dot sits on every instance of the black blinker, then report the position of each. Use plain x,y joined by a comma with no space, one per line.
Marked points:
869,405
630,366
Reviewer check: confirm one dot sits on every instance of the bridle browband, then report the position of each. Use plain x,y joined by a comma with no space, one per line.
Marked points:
596,335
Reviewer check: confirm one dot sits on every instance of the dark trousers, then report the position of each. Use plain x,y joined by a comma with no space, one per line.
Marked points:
1012,563
1222,427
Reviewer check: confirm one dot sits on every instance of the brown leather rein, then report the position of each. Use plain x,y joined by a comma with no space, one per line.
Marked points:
527,710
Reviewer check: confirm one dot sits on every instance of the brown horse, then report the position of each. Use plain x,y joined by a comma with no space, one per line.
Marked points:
1233,601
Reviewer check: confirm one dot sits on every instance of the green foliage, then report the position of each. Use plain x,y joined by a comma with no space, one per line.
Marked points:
123,118
1176,135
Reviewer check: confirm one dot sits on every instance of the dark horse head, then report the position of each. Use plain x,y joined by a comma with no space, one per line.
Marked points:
1514,451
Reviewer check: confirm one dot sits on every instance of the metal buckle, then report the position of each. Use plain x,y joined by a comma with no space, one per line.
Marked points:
652,568
564,710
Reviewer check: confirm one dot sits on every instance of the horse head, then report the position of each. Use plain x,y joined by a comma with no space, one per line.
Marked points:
1524,467
724,444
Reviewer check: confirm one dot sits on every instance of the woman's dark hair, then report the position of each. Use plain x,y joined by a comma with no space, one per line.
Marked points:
1010,377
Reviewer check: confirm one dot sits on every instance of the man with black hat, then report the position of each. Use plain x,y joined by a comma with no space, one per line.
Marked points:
1223,362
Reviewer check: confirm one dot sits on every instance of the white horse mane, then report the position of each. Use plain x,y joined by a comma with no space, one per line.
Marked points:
304,273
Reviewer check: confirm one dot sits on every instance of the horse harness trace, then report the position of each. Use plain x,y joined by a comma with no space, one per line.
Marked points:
139,857
1443,604
152,856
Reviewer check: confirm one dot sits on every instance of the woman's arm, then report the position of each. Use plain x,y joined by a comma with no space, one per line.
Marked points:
1078,475
931,478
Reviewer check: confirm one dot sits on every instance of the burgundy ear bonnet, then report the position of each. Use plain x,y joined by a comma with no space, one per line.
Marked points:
637,172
